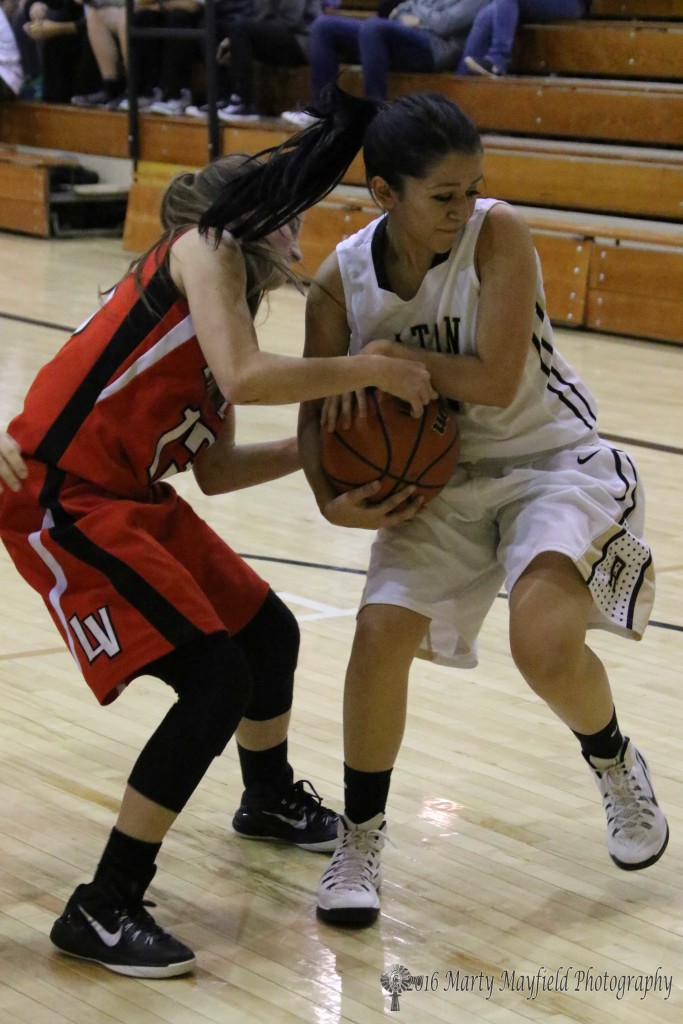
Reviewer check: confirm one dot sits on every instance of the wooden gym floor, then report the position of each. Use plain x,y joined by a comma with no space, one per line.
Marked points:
500,898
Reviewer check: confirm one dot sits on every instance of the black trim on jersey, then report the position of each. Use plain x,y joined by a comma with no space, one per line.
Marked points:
137,324
630,486
636,591
139,594
49,496
541,343
376,245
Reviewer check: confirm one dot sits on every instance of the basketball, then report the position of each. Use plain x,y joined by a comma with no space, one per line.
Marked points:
394,447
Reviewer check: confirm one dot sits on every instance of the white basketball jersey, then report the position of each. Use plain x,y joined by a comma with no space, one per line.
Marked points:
552,408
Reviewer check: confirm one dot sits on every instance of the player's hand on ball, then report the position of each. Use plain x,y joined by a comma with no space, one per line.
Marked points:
12,466
353,508
409,380
341,409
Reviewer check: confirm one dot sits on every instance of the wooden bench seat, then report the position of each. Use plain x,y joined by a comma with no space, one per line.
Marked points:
637,9
616,49
571,108
579,176
635,272
596,109
610,110
25,190
667,10
613,179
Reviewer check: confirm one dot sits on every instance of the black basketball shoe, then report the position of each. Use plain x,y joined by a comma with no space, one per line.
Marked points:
113,929
295,816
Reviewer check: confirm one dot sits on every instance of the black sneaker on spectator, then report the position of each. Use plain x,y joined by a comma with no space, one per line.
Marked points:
484,67
203,111
96,99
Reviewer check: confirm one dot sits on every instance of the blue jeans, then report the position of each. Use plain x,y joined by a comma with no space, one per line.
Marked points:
494,28
378,44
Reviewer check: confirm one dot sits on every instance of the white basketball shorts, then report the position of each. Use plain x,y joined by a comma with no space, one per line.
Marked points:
493,519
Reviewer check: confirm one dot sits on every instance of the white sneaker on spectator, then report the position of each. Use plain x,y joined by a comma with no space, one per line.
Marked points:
174,107
238,111
144,102
203,111
299,118
484,67
194,111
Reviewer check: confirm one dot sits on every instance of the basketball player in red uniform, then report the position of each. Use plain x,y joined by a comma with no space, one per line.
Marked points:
134,580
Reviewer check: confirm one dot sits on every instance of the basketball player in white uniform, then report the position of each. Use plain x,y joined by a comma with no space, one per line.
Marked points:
539,503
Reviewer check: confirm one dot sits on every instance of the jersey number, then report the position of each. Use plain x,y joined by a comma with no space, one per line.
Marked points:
179,445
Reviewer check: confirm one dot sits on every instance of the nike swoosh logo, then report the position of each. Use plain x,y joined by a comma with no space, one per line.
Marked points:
108,938
582,462
294,822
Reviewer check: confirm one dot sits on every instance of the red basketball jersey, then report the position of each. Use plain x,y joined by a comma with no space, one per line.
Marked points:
128,399
126,568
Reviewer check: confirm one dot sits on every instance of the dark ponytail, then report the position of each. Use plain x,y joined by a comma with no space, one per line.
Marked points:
285,180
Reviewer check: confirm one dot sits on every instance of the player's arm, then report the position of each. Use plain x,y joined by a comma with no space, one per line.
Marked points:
327,336
12,467
214,281
506,265
226,466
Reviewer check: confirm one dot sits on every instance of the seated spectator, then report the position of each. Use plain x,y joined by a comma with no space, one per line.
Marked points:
106,26
11,71
276,33
54,48
417,35
488,48
227,13
164,66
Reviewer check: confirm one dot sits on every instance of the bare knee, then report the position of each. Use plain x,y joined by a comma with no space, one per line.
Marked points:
546,660
387,635
549,609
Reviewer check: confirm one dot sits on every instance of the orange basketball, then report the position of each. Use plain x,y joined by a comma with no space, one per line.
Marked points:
394,447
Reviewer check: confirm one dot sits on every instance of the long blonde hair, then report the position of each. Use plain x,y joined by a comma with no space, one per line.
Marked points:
187,198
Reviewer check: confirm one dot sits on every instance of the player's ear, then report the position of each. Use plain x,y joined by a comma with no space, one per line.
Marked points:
383,193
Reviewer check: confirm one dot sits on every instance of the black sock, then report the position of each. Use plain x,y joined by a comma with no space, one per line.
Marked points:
113,87
266,769
365,794
606,743
127,862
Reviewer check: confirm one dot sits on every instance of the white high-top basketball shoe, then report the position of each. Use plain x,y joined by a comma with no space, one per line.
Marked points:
637,831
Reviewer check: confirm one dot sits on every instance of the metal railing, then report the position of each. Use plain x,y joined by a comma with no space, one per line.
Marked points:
207,35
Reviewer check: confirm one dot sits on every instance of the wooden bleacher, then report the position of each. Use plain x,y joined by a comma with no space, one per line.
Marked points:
594,163
25,190
614,49
636,9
